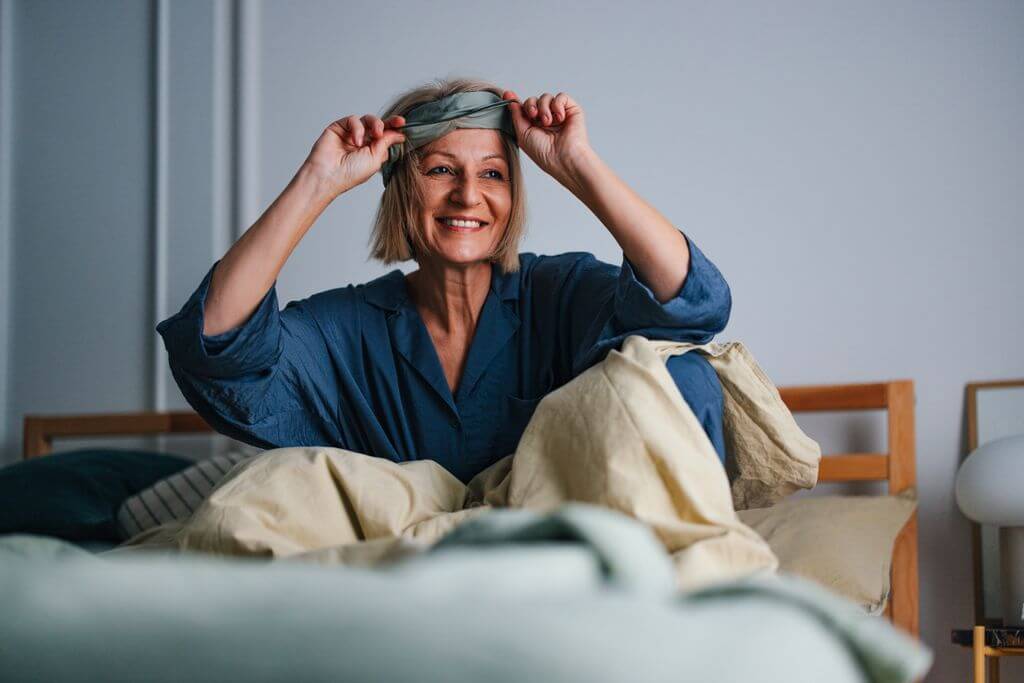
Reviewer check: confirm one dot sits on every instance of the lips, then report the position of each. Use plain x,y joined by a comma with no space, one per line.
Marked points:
455,228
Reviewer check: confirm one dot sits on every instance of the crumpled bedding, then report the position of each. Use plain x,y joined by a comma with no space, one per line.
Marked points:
580,593
619,435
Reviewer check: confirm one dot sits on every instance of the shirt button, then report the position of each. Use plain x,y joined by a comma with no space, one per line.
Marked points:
453,422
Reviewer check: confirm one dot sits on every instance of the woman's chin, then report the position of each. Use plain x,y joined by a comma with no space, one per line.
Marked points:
460,257
463,251
465,258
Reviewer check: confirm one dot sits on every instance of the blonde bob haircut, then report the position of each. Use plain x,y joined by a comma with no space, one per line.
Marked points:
396,233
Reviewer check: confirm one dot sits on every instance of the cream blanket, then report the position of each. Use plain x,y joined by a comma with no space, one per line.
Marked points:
619,435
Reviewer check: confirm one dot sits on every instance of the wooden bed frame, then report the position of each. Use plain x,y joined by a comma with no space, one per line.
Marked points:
897,466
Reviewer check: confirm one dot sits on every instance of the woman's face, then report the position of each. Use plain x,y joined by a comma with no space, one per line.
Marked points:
464,174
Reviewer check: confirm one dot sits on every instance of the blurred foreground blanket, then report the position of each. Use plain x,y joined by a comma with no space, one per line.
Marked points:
619,435
580,593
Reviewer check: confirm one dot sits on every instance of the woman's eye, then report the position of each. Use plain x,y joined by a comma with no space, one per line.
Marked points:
497,174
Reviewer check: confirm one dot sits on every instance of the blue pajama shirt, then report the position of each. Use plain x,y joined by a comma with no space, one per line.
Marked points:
355,368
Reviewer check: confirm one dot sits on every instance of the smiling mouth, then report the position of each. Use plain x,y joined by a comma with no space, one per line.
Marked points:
460,228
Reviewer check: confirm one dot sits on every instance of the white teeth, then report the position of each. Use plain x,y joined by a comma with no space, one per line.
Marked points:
461,224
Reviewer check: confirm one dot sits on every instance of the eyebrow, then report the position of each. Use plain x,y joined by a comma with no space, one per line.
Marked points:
452,156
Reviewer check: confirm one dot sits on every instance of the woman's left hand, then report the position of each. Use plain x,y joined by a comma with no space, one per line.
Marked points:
552,132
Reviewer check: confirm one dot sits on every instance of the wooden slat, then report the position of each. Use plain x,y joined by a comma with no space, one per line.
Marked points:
40,431
35,442
976,546
809,399
854,467
902,455
902,476
904,594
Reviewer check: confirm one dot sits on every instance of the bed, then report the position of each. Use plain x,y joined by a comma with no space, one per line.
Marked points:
895,467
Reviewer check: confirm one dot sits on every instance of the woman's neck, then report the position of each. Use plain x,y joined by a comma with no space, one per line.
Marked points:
450,299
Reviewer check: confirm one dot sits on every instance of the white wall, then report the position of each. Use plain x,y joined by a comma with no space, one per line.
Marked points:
853,170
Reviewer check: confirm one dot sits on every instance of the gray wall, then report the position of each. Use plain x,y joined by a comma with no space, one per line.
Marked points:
79,158
6,53
853,170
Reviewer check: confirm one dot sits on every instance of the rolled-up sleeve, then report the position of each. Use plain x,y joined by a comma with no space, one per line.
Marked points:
252,346
700,309
258,382
600,304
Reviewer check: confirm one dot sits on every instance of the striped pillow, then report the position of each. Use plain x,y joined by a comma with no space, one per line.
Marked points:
175,497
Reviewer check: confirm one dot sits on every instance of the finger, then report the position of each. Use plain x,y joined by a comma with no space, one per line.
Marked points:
544,105
558,107
374,126
530,105
519,119
511,97
358,133
380,146
516,108
341,127
395,121
353,128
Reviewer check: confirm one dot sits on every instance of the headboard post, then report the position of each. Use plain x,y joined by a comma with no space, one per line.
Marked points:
903,603
902,458
36,441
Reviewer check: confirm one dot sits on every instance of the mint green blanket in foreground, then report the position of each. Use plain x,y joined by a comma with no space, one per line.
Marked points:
580,594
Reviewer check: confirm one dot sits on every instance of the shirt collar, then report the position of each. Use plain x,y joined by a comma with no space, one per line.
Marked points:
389,292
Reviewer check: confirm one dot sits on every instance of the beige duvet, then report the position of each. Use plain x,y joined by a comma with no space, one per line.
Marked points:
619,435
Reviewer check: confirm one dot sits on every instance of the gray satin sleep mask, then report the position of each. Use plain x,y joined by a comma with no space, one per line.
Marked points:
431,120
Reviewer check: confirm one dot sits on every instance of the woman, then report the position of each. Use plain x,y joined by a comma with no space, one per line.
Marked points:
449,362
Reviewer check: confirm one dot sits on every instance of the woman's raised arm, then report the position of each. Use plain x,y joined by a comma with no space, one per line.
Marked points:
346,154
552,131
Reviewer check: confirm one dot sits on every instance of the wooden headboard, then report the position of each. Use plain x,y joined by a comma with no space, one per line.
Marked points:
897,466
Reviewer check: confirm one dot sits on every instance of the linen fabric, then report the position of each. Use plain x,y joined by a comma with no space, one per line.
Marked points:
619,435
432,120
770,456
355,368
844,543
178,496
174,497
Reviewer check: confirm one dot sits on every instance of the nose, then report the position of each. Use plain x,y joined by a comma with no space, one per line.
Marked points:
466,190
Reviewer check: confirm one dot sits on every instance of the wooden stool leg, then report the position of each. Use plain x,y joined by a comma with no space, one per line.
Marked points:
979,654
993,670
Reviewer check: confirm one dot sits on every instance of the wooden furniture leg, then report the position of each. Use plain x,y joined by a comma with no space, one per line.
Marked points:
979,654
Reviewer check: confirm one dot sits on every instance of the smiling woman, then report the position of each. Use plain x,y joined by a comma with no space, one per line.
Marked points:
467,199
418,195
448,362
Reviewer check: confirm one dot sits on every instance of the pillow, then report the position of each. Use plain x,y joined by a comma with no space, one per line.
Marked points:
75,495
176,497
841,542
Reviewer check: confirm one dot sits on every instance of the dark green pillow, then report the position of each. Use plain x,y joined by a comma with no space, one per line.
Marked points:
75,495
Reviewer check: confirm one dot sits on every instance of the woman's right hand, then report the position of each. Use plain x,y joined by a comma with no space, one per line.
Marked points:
352,149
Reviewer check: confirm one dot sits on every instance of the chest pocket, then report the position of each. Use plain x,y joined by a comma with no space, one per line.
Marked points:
515,414
508,416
